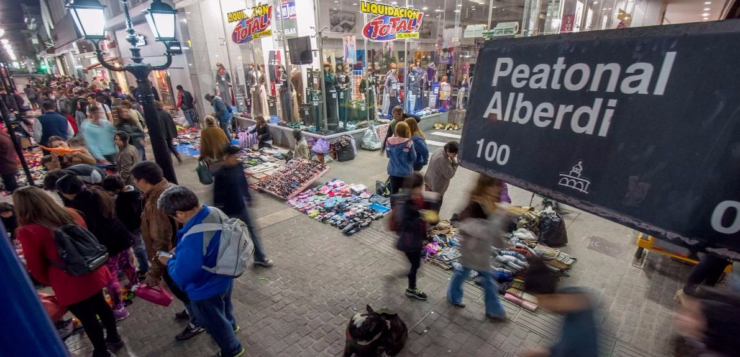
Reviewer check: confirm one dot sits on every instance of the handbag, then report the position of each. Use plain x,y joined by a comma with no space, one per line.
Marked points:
204,173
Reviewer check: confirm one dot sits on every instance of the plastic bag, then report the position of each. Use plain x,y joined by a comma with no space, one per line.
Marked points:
370,140
552,230
321,146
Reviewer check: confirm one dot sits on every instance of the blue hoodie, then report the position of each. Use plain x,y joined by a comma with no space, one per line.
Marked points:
422,152
402,156
185,267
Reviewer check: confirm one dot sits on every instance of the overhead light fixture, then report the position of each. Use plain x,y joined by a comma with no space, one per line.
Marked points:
424,8
705,14
708,3
458,10
438,10
392,2
2,32
5,41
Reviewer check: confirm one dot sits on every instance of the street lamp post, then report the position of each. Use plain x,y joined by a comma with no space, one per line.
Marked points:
90,20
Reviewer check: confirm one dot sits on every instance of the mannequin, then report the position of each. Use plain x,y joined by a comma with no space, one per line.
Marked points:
445,91
462,93
391,91
343,83
367,86
223,81
259,99
296,79
286,103
414,85
331,96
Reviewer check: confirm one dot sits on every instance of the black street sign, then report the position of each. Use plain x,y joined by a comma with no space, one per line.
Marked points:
640,126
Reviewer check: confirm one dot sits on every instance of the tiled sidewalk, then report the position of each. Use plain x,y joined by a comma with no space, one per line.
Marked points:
321,278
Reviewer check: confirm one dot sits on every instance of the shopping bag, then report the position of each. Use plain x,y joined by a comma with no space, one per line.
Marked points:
204,173
552,230
52,307
321,147
370,140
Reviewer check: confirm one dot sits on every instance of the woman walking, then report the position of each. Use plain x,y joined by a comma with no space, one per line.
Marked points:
481,227
127,157
127,123
420,144
400,150
99,211
38,216
212,141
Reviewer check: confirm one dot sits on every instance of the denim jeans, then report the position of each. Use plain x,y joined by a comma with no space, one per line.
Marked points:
140,251
216,316
189,116
142,151
259,253
226,126
455,291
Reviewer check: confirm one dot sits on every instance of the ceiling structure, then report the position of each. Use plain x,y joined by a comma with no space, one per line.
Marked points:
683,11
13,23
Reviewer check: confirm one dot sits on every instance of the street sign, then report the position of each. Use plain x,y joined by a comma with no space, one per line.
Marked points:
640,126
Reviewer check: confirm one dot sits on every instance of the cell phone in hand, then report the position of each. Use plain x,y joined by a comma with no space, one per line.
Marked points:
162,253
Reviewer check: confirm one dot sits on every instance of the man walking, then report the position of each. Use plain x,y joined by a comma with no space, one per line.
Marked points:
223,113
51,124
159,232
210,293
8,162
186,102
231,195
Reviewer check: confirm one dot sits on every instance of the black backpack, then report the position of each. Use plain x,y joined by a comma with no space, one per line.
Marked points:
80,251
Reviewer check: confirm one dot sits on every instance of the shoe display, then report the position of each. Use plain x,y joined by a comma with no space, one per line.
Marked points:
416,294
121,314
189,332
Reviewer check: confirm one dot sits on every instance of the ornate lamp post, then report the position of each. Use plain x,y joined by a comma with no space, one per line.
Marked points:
90,19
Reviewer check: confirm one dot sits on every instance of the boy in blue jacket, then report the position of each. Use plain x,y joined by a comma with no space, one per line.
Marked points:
210,294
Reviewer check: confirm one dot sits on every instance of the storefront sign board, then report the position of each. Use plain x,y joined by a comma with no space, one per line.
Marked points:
257,25
567,25
391,22
636,125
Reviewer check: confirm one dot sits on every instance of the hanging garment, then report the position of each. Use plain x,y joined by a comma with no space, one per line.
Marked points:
286,103
296,105
391,89
297,81
367,86
223,80
259,103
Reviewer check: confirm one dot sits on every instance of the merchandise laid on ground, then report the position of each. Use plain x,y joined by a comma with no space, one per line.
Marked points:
349,207
525,240
260,164
188,141
292,178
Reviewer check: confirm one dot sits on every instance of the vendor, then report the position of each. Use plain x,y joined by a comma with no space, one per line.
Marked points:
263,133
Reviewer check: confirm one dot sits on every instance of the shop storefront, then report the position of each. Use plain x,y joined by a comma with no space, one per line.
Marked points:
329,66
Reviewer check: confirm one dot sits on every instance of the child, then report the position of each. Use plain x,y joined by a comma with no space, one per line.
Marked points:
128,210
579,334
7,214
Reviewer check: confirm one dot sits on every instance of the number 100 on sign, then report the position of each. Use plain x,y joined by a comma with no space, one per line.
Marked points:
493,152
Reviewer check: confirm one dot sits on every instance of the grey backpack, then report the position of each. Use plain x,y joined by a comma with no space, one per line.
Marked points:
235,251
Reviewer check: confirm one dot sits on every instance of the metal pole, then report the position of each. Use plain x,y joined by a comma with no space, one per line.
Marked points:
141,72
320,44
18,150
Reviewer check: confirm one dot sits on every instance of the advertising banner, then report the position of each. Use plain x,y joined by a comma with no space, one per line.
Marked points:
254,26
391,22
639,126
350,51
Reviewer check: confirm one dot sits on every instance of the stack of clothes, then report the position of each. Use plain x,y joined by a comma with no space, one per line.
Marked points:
292,178
349,207
507,263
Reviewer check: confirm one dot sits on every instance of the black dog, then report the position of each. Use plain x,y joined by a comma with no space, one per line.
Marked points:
373,334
